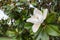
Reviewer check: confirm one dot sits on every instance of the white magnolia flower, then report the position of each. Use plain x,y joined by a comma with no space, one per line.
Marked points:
37,18
3,15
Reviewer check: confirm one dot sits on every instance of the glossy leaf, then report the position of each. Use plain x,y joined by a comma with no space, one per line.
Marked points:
42,36
53,30
51,18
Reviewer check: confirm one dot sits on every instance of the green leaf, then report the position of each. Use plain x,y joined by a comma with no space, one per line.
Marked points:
10,33
51,18
37,33
6,38
23,0
59,19
28,25
42,36
53,30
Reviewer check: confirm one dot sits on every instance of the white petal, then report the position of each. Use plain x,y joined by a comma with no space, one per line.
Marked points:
35,27
45,11
5,17
36,11
32,20
2,15
31,6
37,17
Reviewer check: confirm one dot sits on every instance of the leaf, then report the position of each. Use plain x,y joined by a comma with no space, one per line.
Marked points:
23,0
53,30
42,36
37,33
59,19
10,33
51,18
28,25
45,36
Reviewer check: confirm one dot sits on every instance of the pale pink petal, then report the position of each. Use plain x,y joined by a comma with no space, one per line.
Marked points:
35,27
45,11
37,11
32,20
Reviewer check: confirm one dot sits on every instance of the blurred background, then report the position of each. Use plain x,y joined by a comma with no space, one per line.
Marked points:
13,16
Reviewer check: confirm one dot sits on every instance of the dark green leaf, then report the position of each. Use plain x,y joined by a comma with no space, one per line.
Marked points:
53,30
51,18
43,36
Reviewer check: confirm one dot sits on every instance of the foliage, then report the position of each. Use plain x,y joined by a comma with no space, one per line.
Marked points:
20,29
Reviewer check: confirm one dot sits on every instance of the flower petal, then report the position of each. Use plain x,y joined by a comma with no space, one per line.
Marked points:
3,15
37,11
45,11
36,27
31,6
32,20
